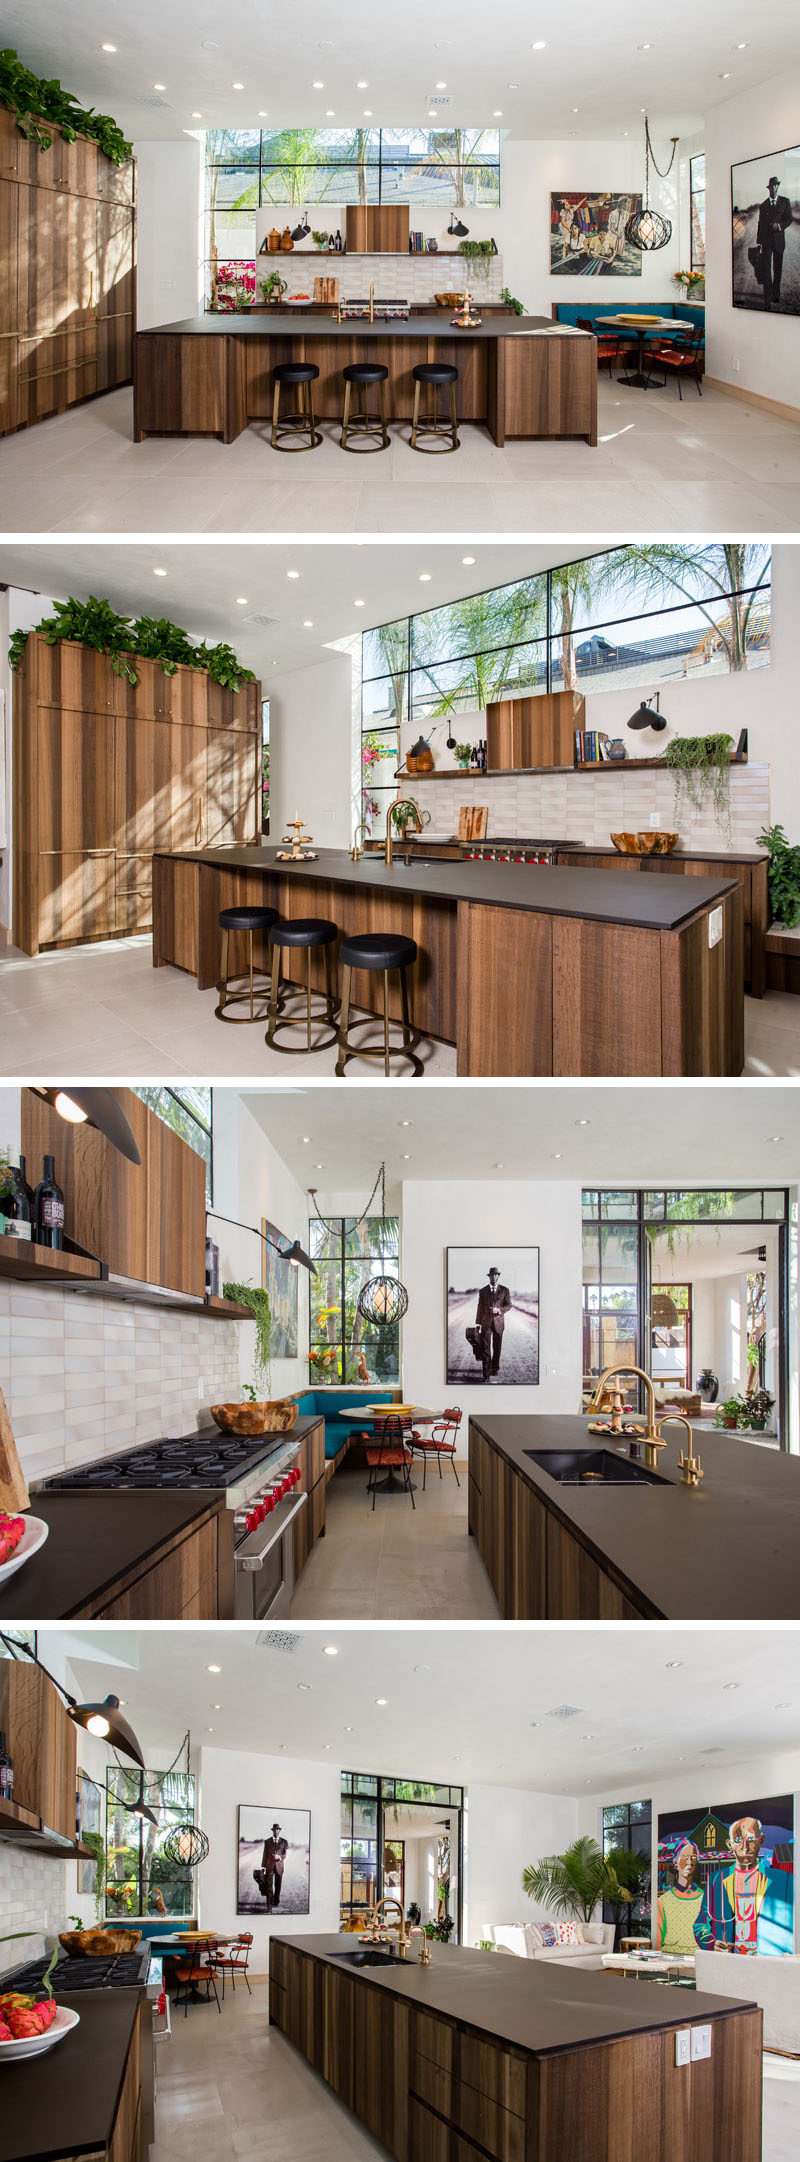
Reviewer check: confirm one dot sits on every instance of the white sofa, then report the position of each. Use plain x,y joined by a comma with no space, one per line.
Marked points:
524,1938
774,1983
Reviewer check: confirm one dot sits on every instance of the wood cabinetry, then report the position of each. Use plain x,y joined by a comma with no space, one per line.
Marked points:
183,1580
125,2144
310,1524
536,731
537,1568
105,772
147,1220
67,274
751,876
375,229
42,1744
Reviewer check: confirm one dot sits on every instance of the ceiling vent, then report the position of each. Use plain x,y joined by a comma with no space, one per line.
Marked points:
565,1711
155,104
257,616
438,101
279,1640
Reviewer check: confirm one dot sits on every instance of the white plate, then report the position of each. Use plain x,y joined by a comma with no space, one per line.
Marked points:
34,2045
34,1535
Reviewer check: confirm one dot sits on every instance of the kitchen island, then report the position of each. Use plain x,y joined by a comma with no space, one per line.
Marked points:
523,376
726,1550
83,2097
526,969
481,2056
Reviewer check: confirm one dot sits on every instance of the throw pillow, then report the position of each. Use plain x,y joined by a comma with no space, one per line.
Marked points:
549,1935
568,1933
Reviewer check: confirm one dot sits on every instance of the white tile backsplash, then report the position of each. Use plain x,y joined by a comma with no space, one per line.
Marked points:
587,808
398,277
33,1895
83,1380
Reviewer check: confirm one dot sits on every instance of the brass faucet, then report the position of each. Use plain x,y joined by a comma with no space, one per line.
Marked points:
690,1467
373,1931
403,803
357,851
652,1439
371,300
425,1951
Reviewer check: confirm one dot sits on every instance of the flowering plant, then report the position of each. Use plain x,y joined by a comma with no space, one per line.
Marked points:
236,286
372,750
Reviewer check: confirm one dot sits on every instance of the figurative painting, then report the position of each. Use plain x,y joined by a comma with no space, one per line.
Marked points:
726,1877
765,213
493,1315
588,238
280,1281
88,1818
273,1860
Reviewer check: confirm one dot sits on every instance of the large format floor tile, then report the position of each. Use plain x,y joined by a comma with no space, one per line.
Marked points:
660,465
395,1563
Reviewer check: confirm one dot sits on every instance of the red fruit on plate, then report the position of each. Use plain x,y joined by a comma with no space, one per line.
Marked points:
11,1531
5,2032
27,2021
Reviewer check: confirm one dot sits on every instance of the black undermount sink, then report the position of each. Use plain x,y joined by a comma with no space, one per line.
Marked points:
371,1955
593,1467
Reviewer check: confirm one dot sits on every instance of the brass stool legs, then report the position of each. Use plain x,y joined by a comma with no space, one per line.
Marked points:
410,1034
253,985
366,425
281,991
432,424
297,424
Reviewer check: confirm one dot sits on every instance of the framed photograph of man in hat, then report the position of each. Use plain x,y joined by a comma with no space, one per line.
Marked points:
765,213
493,1316
273,1860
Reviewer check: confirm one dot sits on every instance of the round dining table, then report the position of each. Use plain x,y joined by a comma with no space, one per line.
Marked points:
641,331
373,1415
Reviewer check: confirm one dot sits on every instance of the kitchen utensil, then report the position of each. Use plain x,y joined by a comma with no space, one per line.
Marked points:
473,819
655,843
269,1418
99,1943
34,1535
14,1495
36,2044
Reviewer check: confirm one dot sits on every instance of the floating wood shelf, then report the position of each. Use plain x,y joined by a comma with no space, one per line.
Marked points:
502,773
27,1263
226,1309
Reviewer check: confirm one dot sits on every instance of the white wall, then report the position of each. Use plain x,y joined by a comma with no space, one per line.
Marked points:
508,1827
751,351
169,231
438,1214
310,730
251,1182
18,611
228,1777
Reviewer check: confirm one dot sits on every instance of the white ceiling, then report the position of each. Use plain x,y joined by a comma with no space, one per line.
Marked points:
594,59
204,581
712,1250
637,1135
461,1704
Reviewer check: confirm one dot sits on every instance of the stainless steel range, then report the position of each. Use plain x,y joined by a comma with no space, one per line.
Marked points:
261,1482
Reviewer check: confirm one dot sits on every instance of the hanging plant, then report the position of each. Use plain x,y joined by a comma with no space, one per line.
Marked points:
700,764
97,1843
32,100
257,1301
477,252
95,623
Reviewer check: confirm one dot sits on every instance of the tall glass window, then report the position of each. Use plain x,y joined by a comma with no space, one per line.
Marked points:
697,200
628,1826
400,1838
140,1878
343,1346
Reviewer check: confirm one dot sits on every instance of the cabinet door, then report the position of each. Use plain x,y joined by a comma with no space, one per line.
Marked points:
382,2068
75,780
77,897
114,293
134,894
231,787
335,1997
160,786
42,1743
9,242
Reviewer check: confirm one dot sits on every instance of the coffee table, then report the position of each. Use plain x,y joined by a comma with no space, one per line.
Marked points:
647,1965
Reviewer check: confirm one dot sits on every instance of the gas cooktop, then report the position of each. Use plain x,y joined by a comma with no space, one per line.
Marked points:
122,1970
201,1459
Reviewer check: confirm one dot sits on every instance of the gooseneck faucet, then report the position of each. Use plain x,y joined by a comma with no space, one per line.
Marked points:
373,1930
403,803
652,1437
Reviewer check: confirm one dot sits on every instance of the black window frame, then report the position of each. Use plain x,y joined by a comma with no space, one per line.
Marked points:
695,193
608,1845
390,1333
384,1791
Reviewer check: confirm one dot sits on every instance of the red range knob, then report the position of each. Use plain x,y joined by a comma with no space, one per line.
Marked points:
269,1505
252,1519
261,1510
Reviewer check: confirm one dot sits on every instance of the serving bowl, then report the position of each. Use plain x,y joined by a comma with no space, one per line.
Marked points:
34,1535
99,1943
270,1418
655,843
448,300
34,2045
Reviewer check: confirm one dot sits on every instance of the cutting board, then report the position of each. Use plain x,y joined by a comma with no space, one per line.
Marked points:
13,1490
326,288
473,819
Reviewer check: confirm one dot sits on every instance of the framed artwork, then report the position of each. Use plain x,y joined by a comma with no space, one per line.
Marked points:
89,1818
280,1280
726,1876
273,1860
765,223
493,1315
587,236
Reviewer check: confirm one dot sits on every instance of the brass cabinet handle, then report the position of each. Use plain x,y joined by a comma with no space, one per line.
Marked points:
198,831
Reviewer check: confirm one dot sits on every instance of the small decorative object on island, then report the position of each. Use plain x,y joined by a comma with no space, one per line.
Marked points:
765,212
726,1877
466,317
296,841
273,1860
588,236
493,1315
646,229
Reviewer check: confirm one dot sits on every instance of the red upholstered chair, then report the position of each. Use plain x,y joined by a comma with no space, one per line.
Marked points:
235,1961
389,1453
441,1441
608,346
680,356
193,1972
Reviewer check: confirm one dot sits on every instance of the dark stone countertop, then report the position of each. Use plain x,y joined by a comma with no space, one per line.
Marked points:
727,1550
64,2102
652,904
94,1540
522,2001
430,323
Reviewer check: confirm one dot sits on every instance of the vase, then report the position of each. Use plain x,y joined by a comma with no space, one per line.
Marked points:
287,243
273,241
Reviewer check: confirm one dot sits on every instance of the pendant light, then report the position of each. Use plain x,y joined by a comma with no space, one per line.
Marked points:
98,1108
105,1720
382,1300
141,1808
645,228
185,1844
295,1254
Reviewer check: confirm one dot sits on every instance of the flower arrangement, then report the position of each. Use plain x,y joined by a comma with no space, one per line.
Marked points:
689,281
236,287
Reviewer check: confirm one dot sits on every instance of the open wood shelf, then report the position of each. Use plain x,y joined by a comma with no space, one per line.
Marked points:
226,1309
502,773
26,1263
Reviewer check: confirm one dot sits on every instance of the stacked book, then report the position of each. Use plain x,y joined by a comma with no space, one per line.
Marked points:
416,244
590,746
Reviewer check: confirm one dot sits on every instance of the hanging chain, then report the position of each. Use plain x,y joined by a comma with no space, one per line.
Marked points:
185,1745
328,1220
650,153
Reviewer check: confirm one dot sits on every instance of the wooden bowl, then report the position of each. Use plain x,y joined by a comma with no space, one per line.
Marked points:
270,1418
656,843
448,300
100,1943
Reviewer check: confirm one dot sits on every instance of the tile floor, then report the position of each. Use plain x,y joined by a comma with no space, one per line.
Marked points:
392,1562
104,1010
233,2090
660,465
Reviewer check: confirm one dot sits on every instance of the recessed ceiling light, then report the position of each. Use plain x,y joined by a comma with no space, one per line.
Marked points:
331,1651
108,48
209,1730
535,1722
196,116
576,108
329,113
422,1668
468,559
368,112
644,48
672,1664
498,113
293,574
158,571
774,1137
319,1167
725,76
305,1138
361,85
241,600
638,1748
500,1166
539,45
261,115
326,1745
308,623
586,1737
216,1707
210,45
406,1122
512,86
441,86
556,1156
424,578
305,1688
359,604
318,86
237,86
348,1730
159,86
583,1122
742,47
213,1670
381,1700
731,1685
785,1707
432,113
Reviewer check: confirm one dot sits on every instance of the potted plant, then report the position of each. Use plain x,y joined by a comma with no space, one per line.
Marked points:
463,754
783,875
272,288
577,1881
691,282
478,253
511,302
96,1841
759,1406
728,1414
320,241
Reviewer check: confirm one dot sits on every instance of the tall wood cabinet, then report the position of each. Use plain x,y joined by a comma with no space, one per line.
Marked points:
146,1220
537,731
106,772
67,274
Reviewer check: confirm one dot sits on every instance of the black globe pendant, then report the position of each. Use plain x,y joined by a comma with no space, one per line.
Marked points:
186,1845
382,1301
645,228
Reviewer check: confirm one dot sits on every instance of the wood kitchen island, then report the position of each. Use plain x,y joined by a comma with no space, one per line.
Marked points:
526,969
477,2057
212,374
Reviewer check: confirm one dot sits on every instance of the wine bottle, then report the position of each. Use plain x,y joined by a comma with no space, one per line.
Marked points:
49,1208
6,1771
16,1201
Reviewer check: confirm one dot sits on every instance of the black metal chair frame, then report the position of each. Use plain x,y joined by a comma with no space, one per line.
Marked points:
584,322
391,1434
690,346
425,1448
223,1962
283,991
200,1970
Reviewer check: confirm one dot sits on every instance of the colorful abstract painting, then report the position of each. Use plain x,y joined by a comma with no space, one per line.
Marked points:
280,1280
726,1876
588,239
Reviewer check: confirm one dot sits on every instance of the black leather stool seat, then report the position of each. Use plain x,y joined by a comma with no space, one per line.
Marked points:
296,371
365,371
377,949
435,371
304,931
247,919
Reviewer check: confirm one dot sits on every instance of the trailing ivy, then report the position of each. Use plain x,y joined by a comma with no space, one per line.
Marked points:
124,640
32,100
700,764
257,1301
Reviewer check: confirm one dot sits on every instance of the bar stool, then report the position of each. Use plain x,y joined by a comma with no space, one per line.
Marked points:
386,951
432,373
247,920
305,933
366,426
298,374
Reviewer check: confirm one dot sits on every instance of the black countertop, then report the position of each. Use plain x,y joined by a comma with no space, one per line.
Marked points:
64,2102
652,904
727,1550
94,1540
526,2002
430,323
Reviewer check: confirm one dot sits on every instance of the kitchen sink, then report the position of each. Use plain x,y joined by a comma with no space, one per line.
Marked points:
593,1467
371,1955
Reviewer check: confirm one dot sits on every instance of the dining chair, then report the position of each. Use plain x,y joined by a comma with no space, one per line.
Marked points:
441,1441
683,355
608,346
389,1452
190,1973
235,1961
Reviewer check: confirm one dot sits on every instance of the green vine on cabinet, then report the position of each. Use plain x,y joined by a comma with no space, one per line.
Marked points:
257,1301
96,624
700,764
33,99
96,1842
